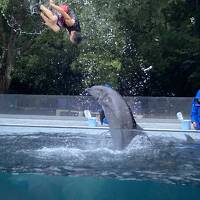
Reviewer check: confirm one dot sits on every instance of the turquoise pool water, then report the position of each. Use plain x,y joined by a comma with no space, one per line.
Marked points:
76,164
43,187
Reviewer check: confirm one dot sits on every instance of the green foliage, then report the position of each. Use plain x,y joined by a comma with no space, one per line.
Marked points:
161,34
98,69
121,40
3,4
45,67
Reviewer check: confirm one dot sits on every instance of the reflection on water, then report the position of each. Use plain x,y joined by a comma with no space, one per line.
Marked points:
81,154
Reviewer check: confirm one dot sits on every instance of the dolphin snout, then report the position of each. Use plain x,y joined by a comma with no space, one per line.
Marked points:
88,90
93,91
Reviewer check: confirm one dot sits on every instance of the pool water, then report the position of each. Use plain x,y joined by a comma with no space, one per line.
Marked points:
40,187
81,164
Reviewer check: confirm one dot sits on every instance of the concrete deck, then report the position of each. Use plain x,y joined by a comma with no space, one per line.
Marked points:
64,121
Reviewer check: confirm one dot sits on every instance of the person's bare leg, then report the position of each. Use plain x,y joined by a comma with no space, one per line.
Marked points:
48,13
51,24
68,20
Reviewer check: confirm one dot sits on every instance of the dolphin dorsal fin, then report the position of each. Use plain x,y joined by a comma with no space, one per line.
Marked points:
131,113
189,139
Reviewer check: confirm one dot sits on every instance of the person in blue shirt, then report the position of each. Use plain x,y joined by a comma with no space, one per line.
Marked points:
102,117
195,113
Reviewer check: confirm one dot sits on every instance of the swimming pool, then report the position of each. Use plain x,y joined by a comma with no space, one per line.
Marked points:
40,187
48,162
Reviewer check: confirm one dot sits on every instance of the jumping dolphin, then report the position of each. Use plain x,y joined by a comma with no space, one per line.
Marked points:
118,113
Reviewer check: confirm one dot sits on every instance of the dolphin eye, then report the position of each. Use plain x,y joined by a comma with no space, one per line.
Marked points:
107,99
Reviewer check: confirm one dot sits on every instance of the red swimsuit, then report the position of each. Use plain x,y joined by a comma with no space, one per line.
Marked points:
61,20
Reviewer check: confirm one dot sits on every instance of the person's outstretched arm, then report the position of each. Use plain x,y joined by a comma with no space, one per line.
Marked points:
68,20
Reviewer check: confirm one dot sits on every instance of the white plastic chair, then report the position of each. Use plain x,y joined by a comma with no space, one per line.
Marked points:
87,114
179,116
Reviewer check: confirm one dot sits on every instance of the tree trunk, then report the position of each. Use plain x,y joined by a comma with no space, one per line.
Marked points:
8,61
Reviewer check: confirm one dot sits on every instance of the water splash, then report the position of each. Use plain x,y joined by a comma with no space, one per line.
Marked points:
69,154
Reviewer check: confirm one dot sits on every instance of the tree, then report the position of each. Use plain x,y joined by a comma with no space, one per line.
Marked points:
45,67
141,47
162,35
13,19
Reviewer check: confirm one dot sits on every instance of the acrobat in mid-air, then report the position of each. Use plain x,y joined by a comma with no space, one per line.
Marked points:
58,17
